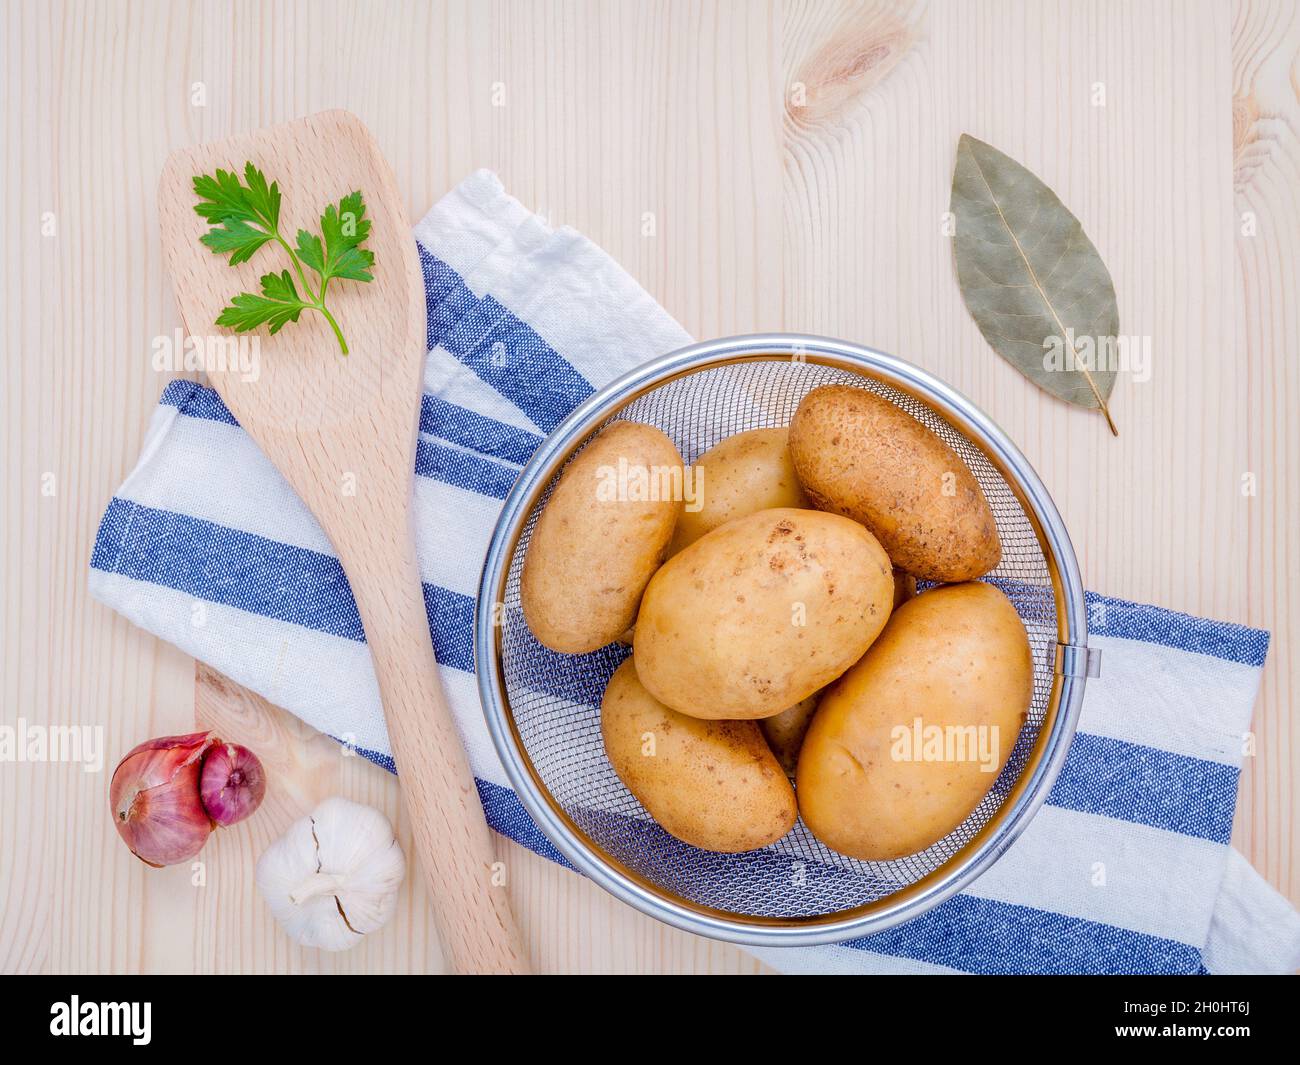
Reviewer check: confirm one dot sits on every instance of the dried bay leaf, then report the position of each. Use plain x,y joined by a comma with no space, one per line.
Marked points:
1029,273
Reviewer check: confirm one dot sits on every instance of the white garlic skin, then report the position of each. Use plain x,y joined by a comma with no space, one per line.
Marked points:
343,856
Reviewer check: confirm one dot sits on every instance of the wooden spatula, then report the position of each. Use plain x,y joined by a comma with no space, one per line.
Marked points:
342,431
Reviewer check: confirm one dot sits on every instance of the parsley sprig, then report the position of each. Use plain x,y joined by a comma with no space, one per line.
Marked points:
246,215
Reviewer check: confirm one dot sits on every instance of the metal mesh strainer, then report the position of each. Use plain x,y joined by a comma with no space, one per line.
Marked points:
543,708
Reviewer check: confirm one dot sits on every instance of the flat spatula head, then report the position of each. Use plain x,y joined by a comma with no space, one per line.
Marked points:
302,392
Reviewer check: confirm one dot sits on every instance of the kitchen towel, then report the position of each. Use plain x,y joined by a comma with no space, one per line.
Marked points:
1126,869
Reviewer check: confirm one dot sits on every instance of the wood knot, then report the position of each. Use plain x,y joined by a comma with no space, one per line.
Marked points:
857,53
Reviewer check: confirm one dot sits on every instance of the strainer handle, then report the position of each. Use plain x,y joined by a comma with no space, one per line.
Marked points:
1077,660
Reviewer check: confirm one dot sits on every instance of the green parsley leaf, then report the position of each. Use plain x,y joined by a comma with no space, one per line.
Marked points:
262,199
238,238
222,198
244,216
345,228
278,303
310,251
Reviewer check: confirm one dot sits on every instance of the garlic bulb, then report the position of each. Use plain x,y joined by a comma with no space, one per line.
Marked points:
333,877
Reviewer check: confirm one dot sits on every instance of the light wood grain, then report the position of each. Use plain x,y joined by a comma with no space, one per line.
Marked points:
1266,193
821,217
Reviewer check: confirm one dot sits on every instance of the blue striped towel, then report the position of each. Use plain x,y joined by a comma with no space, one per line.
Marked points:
1126,869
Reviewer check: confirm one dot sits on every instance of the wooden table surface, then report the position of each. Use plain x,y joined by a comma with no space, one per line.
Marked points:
796,159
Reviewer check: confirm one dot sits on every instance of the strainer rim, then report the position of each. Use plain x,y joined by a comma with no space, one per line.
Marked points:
990,842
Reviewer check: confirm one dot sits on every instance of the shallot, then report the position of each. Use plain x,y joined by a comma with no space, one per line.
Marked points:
168,794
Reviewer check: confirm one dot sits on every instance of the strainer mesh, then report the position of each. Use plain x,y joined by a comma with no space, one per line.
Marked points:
555,699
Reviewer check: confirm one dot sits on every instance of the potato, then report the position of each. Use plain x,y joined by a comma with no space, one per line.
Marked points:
785,731
744,473
908,741
761,612
858,455
712,784
602,535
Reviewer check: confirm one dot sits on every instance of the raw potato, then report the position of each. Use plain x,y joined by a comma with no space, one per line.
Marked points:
954,656
785,731
593,550
859,455
712,784
761,612
742,474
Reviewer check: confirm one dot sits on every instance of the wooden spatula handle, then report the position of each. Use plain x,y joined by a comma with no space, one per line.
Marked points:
452,840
